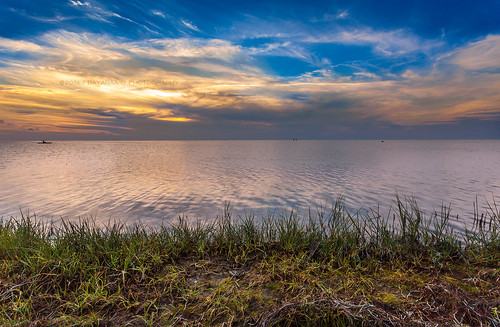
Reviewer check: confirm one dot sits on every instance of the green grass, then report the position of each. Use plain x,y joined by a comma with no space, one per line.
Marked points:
331,268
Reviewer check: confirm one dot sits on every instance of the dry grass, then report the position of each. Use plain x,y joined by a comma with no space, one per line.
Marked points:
334,269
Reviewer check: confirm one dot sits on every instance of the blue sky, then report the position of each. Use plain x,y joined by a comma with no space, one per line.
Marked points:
250,70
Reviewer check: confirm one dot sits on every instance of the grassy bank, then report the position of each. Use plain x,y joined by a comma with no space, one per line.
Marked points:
333,267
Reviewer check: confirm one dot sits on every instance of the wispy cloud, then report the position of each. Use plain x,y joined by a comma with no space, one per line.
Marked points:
99,83
341,14
95,11
479,55
9,45
190,25
167,48
98,12
79,3
284,49
57,18
301,39
158,13
388,43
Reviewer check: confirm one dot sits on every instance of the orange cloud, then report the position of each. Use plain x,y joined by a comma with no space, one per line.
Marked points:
85,82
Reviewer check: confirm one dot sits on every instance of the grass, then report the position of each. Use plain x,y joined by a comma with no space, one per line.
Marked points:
331,268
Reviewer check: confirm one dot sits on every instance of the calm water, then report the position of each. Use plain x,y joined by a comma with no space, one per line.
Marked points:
155,181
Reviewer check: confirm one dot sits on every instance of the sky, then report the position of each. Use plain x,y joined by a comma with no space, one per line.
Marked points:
113,70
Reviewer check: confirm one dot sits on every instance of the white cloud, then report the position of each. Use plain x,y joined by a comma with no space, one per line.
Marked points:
388,43
284,49
230,79
483,54
341,14
367,75
158,13
72,47
71,50
95,11
18,45
186,48
79,3
189,25
55,19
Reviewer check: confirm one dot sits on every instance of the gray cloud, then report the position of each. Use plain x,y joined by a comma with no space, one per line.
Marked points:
221,90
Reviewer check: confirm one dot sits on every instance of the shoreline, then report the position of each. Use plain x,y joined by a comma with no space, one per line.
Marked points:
287,270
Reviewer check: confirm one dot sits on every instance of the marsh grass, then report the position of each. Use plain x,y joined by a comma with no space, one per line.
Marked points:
331,267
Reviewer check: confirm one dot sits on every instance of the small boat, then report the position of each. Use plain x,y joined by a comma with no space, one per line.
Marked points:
44,142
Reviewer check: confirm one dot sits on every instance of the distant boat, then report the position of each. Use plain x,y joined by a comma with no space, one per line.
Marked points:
44,142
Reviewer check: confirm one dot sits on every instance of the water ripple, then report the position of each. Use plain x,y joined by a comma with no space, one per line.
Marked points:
156,181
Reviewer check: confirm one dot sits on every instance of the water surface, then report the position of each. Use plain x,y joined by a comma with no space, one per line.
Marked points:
155,181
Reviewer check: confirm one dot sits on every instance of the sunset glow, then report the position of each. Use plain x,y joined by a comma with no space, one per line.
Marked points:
99,69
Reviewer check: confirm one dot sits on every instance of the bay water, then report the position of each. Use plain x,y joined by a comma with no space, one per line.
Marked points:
153,182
